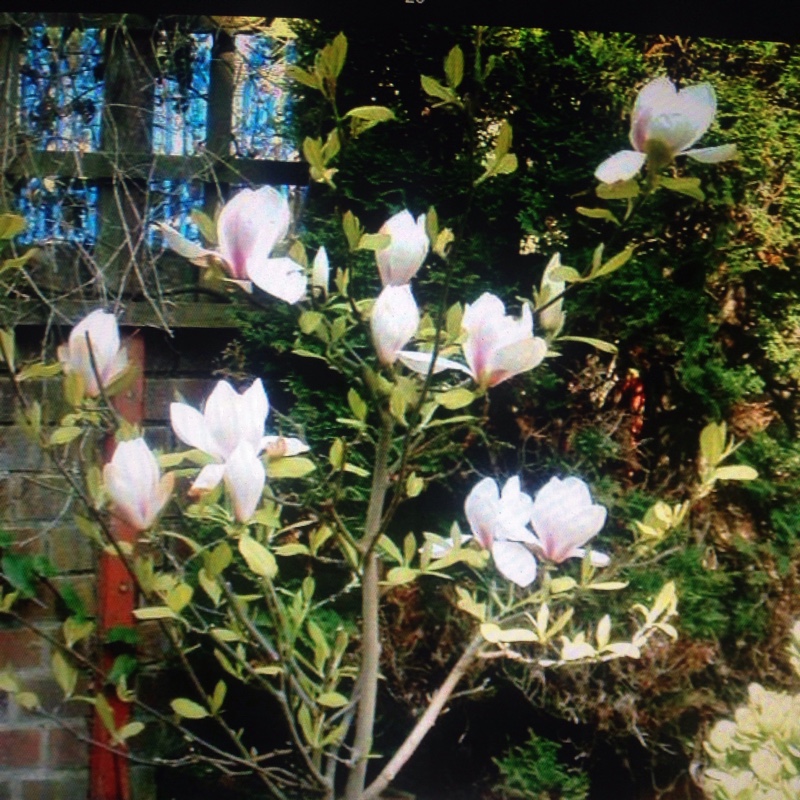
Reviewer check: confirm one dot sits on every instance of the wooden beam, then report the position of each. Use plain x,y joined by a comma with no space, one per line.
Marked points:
208,169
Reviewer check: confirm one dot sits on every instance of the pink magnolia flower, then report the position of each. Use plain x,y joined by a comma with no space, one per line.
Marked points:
228,419
499,522
393,322
498,346
100,330
665,123
135,485
564,519
250,226
400,261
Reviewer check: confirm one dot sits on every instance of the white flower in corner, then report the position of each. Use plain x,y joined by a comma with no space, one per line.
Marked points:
400,261
564,519
228,419
250,226
135,485
394,321
99,329
499,522
497,346
665,123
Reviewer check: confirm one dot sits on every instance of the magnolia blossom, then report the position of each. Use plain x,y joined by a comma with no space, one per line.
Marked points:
400,261
228,419
134,482
249,227
320,272
498,346
564,519
98,330
499,522
244,478
551,317
665,123
394,321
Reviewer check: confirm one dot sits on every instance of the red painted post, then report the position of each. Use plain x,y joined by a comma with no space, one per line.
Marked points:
109,777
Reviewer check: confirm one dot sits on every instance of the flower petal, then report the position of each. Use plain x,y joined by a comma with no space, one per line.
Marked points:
280,277
400,261
190,427
621,166
515,562
713,155
245,478
282,446
421,362
393,322
193,252
208,479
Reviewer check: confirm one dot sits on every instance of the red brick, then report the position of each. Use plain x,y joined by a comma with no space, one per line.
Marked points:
69,550
66,750
21,648
71,786
20,748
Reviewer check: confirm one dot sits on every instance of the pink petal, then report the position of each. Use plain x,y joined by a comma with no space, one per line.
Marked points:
481,511
713,155
245,478
515,562
280,277
621,166
192,251
190,427
208,479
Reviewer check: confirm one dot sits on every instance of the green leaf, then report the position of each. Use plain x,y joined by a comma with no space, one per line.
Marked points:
621,190
336,454
454,67
154,612
7,348
105,713
310,79
373,114
336,53
357,405
433,88
20,261
218,559
687,186
563,584
218,698
206,225
38,371
455,398
188,709
122,633
735,472
123,667
390,548
467,603
352,229
75,630
598,344
11,225
257,557
65,435
290,467
332,700
414,485
566,274
292,549
19,572
309,321
398,576
179,597
374,241
495,634
614,263
607,586
712,442
129,730
64,672
597,213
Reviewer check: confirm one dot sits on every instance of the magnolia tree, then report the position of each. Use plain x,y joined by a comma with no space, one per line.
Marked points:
257,567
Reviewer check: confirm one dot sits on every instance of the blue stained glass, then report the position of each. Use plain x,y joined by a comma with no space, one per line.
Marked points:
61,97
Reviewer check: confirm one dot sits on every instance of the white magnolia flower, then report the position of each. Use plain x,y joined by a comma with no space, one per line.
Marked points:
250,226
665,123
564,519
400,261
135,485
102,332
499,522
498,346
320,272
228,419
394,321
244,478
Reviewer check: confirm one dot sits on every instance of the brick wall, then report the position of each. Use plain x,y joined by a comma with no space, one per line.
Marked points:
39,757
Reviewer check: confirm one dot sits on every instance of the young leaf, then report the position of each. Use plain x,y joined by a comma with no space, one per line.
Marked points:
257,557
188,709
454,67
